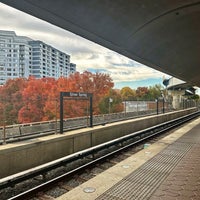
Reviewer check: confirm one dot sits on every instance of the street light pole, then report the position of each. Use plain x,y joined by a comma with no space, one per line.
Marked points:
110,101
157,106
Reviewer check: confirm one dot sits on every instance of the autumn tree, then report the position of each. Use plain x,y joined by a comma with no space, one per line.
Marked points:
111,103
35,95
141,92
11,100
128,94
98,84
32,100
51,99
41,96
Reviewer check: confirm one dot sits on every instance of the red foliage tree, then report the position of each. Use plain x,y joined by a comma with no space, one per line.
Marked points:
141,92
98,84
41,96
35,95
11,100
31,100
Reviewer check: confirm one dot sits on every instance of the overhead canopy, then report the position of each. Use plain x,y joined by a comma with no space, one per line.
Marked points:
162,34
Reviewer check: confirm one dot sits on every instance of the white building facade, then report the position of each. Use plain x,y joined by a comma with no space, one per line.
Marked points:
180,91
23,57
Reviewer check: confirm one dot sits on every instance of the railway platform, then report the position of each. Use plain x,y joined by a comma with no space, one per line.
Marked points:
26,154
166,170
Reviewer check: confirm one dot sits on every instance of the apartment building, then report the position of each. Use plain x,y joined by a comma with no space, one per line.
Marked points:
72,67
21,56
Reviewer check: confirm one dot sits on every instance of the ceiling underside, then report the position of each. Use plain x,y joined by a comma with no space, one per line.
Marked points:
162,34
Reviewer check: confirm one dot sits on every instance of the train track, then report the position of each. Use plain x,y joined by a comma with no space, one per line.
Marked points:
82,161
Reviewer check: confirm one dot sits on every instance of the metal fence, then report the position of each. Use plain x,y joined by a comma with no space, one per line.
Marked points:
141,109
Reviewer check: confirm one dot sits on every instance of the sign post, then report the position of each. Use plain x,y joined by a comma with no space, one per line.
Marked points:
75,95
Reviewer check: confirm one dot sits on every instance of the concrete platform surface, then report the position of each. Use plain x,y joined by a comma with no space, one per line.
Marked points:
168,169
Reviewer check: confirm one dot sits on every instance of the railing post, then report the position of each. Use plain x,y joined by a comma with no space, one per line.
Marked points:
91,112
4,133
20,131
61,112
163,105
56,120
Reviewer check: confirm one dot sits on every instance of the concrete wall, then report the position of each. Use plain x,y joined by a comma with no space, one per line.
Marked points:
45,126
24,155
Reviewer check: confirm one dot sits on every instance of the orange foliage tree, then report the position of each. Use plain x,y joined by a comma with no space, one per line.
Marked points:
35,96
142,92
11,100
99,84
41,96
31,100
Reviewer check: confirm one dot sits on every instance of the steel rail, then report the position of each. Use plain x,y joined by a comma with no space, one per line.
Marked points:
143,135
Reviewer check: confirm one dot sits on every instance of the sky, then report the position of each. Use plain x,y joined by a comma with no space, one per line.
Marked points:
85,54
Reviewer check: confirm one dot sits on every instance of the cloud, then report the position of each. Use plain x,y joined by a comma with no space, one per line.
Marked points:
120,68
86,54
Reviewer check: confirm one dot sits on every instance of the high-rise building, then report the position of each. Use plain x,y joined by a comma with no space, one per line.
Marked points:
15,56
72,67
23,57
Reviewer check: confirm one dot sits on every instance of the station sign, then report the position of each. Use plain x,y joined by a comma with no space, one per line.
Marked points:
76,94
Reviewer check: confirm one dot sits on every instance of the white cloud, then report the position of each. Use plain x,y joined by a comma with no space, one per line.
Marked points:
86,54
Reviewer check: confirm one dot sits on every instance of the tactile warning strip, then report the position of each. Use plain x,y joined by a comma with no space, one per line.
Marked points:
142,183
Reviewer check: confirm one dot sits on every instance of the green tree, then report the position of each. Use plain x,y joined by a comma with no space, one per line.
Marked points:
195,97
154,92
111,103
128,94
